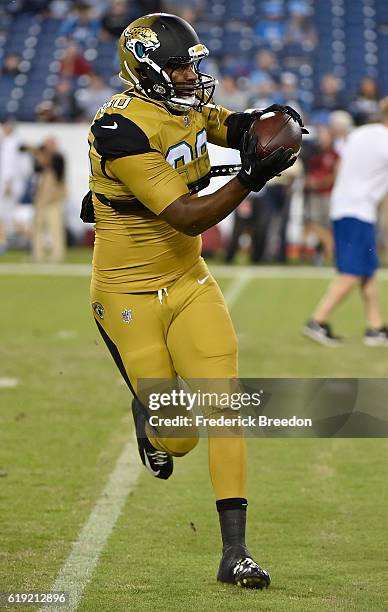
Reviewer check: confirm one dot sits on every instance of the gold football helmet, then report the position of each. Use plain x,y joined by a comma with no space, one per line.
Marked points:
152,42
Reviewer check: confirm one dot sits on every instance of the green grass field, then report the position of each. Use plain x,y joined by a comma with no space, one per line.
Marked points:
318,507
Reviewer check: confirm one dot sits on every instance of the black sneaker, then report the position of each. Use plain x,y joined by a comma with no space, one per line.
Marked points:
159,463
238,567
321,333
376,337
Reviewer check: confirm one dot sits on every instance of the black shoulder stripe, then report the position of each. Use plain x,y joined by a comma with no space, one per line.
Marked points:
117,136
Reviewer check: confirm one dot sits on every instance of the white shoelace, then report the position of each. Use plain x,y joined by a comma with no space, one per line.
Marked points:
158,457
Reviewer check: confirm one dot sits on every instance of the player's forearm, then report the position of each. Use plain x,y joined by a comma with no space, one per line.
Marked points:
211,209
192,216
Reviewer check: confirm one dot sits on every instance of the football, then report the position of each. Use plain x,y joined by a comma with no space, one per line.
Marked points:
274,130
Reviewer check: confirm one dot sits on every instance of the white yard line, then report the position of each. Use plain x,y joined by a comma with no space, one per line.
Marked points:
309,272
66,334
233,292
8,383
79,566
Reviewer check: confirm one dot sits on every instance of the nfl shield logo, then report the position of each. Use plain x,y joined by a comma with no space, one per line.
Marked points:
186,119
127,316
98,309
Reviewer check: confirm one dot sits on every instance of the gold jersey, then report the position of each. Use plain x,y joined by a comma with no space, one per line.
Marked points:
142,158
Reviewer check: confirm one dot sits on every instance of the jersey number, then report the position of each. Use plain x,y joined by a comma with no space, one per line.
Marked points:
182,153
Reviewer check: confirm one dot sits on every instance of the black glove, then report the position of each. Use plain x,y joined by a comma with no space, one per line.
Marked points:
288,110
255,172
238,124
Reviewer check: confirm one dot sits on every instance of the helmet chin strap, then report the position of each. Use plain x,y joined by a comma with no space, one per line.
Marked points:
180,104
176,102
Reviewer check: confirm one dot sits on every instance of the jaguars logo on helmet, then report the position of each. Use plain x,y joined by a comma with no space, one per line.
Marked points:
140,40
152,42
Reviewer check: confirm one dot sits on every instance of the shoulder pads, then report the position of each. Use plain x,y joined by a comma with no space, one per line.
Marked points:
117,136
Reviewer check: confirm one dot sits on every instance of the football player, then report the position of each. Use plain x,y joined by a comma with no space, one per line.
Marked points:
157,306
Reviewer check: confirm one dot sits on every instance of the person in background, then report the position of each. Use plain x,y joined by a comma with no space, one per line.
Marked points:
270,29
48,236
265,67
279,192
66,107
320,175
341,124
263,79
228,92
361,185
330,97
92,97
264,216
11,65
366,104
115,19
262,95
245,222
82,26
288,91
73,63
300,31
9,191
46,111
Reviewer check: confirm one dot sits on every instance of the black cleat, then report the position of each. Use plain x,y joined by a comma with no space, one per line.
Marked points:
238,567
321,333
376,337
159,463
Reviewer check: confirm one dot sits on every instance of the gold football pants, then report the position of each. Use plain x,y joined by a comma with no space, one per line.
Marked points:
186,330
